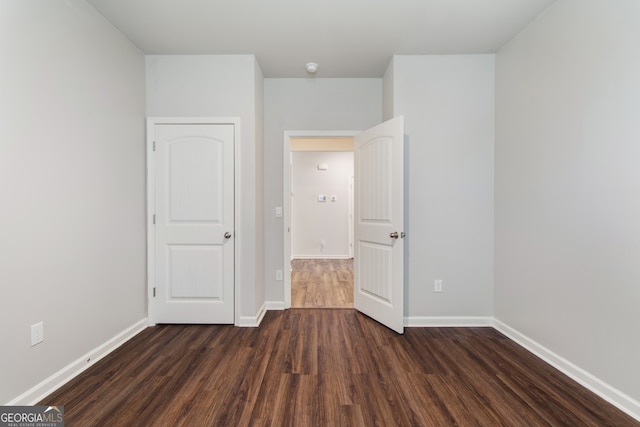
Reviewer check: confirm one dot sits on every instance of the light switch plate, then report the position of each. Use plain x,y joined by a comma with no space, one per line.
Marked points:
37,333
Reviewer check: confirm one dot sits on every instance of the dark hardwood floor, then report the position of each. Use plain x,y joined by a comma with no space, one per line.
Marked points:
322,283
319,367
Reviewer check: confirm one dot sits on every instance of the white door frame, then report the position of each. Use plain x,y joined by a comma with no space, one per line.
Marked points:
151,262
352,214
286,195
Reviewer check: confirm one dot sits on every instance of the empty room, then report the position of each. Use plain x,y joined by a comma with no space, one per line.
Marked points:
152,201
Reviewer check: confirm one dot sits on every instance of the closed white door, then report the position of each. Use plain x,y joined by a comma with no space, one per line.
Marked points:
194,223
379,223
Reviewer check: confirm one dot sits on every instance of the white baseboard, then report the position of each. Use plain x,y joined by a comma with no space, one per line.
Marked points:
447,321
275,305
610,394
72,370
321,257
253,321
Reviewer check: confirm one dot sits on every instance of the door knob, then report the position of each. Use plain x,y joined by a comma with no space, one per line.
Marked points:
227,235
394,235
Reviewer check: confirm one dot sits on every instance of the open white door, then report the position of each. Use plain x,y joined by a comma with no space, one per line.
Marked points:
379,223
194,223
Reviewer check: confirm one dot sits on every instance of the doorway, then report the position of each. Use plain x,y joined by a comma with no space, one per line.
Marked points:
378,220
318,229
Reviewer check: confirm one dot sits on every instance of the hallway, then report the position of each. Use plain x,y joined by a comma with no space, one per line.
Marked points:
322,283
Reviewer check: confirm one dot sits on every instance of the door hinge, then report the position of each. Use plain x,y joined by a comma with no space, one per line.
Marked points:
154,219
154,292
154,146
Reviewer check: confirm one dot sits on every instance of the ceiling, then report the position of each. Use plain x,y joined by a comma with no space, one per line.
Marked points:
347,38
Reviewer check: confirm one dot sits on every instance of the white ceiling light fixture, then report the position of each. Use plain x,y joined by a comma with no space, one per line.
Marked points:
311,67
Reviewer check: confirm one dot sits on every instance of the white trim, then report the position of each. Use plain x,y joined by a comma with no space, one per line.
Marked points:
237,194
151,237
321,257
447,321
151,122
352,196
612,395
75,368
253,321
286,195
275,305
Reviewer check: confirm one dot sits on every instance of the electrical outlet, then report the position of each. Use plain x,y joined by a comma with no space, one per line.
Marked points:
437,286
37,333
278,274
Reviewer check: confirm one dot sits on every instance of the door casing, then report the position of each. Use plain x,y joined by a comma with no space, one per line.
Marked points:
151,264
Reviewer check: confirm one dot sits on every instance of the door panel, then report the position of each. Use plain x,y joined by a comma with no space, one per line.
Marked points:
195,188
194,271
379,256
194,209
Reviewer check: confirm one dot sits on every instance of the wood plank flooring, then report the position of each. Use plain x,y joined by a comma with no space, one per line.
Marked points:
322,283
319,367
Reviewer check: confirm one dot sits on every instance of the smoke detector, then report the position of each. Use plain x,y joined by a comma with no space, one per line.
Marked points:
311,67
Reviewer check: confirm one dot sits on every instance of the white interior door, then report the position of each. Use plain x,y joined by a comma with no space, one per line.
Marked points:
379,223
194,223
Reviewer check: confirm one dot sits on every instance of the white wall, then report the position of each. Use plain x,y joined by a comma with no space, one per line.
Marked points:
306,104
72,180
222,86
320,229
387,92
567,209
260,296
448,105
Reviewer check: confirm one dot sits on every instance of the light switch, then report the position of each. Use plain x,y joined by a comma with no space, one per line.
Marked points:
322,198
278,211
